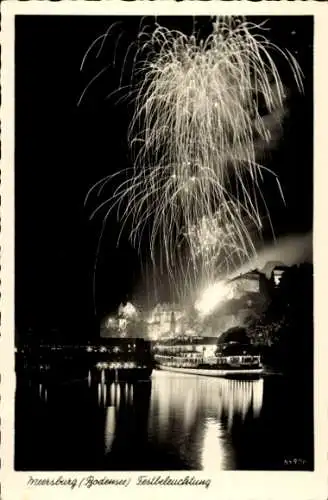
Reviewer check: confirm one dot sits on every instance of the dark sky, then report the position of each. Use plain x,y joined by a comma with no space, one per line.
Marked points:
63,149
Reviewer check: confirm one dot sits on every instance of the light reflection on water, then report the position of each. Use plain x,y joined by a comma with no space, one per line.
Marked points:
110,427
192,410
189,415
189,419
214,456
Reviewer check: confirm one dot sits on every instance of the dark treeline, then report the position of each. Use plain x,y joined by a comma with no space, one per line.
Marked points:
284,333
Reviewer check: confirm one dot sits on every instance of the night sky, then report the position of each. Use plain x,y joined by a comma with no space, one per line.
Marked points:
62,149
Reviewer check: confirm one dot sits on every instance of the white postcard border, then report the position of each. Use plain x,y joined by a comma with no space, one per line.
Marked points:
225,485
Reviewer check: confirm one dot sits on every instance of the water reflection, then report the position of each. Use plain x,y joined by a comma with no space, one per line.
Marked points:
194,416
115,394
178,421
110,427
214,455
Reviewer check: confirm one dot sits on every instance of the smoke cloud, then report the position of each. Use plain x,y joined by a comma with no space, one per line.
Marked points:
288,251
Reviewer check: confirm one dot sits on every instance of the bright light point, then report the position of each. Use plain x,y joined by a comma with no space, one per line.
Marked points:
127,311
212,297
213,456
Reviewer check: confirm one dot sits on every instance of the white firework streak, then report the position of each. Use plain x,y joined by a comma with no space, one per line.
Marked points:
214,238
193,135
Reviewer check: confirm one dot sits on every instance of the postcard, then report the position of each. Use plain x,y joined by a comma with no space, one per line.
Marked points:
163,204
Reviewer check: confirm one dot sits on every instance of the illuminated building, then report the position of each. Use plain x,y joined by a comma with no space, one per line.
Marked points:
164,319
246,283
277,274
120,324
109,327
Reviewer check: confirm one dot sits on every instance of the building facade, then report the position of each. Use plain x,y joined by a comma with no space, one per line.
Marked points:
164,320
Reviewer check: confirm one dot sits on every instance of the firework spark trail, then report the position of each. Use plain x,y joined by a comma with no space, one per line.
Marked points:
196,122
212,237
193,135
217,248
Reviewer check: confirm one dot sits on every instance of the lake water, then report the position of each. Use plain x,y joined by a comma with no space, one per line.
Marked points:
172,422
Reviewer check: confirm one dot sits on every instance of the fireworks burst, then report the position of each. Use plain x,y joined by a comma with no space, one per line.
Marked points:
198,118
221,243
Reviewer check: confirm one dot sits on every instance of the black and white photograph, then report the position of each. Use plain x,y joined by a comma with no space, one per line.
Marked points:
163,243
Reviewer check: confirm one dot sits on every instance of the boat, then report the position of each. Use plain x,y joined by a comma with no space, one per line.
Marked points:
116,357
206,356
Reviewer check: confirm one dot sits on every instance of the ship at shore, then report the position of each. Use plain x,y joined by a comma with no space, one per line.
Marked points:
116,358
206,356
